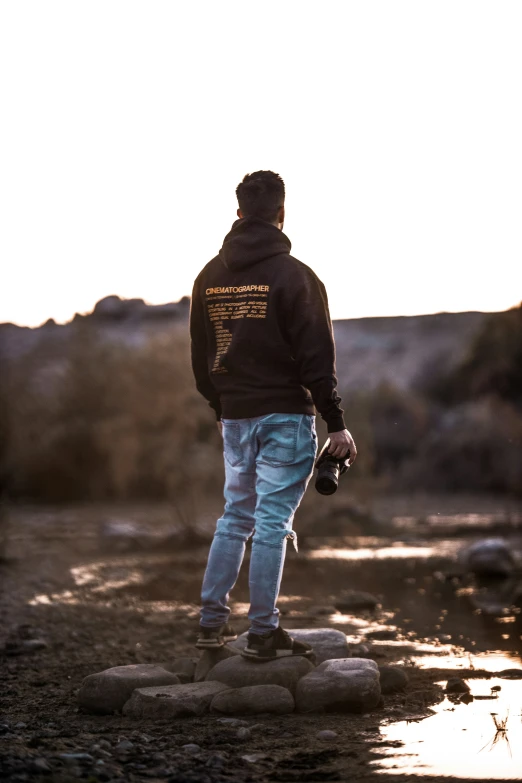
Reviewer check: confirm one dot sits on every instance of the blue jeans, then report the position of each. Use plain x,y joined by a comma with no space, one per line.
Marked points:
269,461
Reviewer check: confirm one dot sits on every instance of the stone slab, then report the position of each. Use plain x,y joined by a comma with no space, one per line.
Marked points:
107,691
239,672
345,685
172,701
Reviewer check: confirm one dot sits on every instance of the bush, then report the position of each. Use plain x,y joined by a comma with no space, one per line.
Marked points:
493,365
99,419
476,446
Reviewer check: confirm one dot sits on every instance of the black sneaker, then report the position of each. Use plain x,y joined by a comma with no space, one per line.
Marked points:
274,644
212,638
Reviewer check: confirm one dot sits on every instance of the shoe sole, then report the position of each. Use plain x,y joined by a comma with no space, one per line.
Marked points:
270,655
215,644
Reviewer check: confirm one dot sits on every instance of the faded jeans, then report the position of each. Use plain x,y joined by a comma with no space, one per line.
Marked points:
269,461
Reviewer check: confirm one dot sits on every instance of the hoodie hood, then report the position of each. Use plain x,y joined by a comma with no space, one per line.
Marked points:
251,240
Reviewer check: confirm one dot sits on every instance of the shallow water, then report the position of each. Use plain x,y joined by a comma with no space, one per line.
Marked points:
460,739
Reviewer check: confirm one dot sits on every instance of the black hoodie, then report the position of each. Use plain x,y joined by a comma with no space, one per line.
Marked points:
261,333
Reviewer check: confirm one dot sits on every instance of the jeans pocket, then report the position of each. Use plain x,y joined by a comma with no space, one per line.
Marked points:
278,443
232,444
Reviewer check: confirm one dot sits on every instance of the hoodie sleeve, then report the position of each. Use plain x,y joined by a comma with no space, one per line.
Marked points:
309,330
198,351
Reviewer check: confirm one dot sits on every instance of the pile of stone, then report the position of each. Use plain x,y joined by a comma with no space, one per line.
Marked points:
225,683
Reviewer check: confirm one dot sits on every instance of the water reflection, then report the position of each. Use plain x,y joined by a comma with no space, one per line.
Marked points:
461,740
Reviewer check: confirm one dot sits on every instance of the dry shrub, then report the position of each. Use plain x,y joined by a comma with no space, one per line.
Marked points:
475,446
493,365
98,418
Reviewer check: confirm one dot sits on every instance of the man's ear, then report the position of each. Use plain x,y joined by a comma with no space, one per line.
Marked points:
239,213
281,215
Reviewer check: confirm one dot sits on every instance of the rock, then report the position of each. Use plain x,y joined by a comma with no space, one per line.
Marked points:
346,685
254,699
393,679
107,691
327,643
172,701
191,747
232,721
382,635
183,668
360,650
239,672
124,746
243,733
72,757
253,758
355,600
489,557
209,658
326,735
457,685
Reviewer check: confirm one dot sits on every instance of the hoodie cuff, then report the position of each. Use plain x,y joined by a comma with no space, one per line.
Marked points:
336,424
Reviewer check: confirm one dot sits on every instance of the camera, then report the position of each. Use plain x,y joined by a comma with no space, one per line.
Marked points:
329,469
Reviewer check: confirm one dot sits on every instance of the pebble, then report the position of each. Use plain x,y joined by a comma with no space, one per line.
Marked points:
252,758
20,725
191,747
326,735
232,721
124,746
393,679
76,757
243,733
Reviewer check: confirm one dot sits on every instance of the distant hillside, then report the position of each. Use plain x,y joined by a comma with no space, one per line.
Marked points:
369,350
403,349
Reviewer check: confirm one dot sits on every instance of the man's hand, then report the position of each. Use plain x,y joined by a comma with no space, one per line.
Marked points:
340,444
220,427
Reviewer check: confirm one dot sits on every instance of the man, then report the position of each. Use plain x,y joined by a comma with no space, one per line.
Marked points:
263,355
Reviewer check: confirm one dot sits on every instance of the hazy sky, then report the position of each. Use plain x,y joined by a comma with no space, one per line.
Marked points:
126,127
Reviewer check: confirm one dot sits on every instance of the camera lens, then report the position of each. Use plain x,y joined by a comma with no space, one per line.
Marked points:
327,478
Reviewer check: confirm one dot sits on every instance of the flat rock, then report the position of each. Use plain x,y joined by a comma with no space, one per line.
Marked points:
355,600
393,679
254,699
209,658
172,701
348,685
107,691
239,672
327,643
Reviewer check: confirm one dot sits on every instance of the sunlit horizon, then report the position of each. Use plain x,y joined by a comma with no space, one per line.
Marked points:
128,125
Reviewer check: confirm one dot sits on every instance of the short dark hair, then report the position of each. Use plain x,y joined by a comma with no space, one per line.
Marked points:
261,195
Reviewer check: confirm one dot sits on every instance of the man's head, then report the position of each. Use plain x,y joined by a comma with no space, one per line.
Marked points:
262,195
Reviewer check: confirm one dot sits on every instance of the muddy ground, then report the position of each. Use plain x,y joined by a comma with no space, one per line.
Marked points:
95,602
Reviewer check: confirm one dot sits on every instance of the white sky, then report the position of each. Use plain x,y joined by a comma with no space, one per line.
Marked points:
126,127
